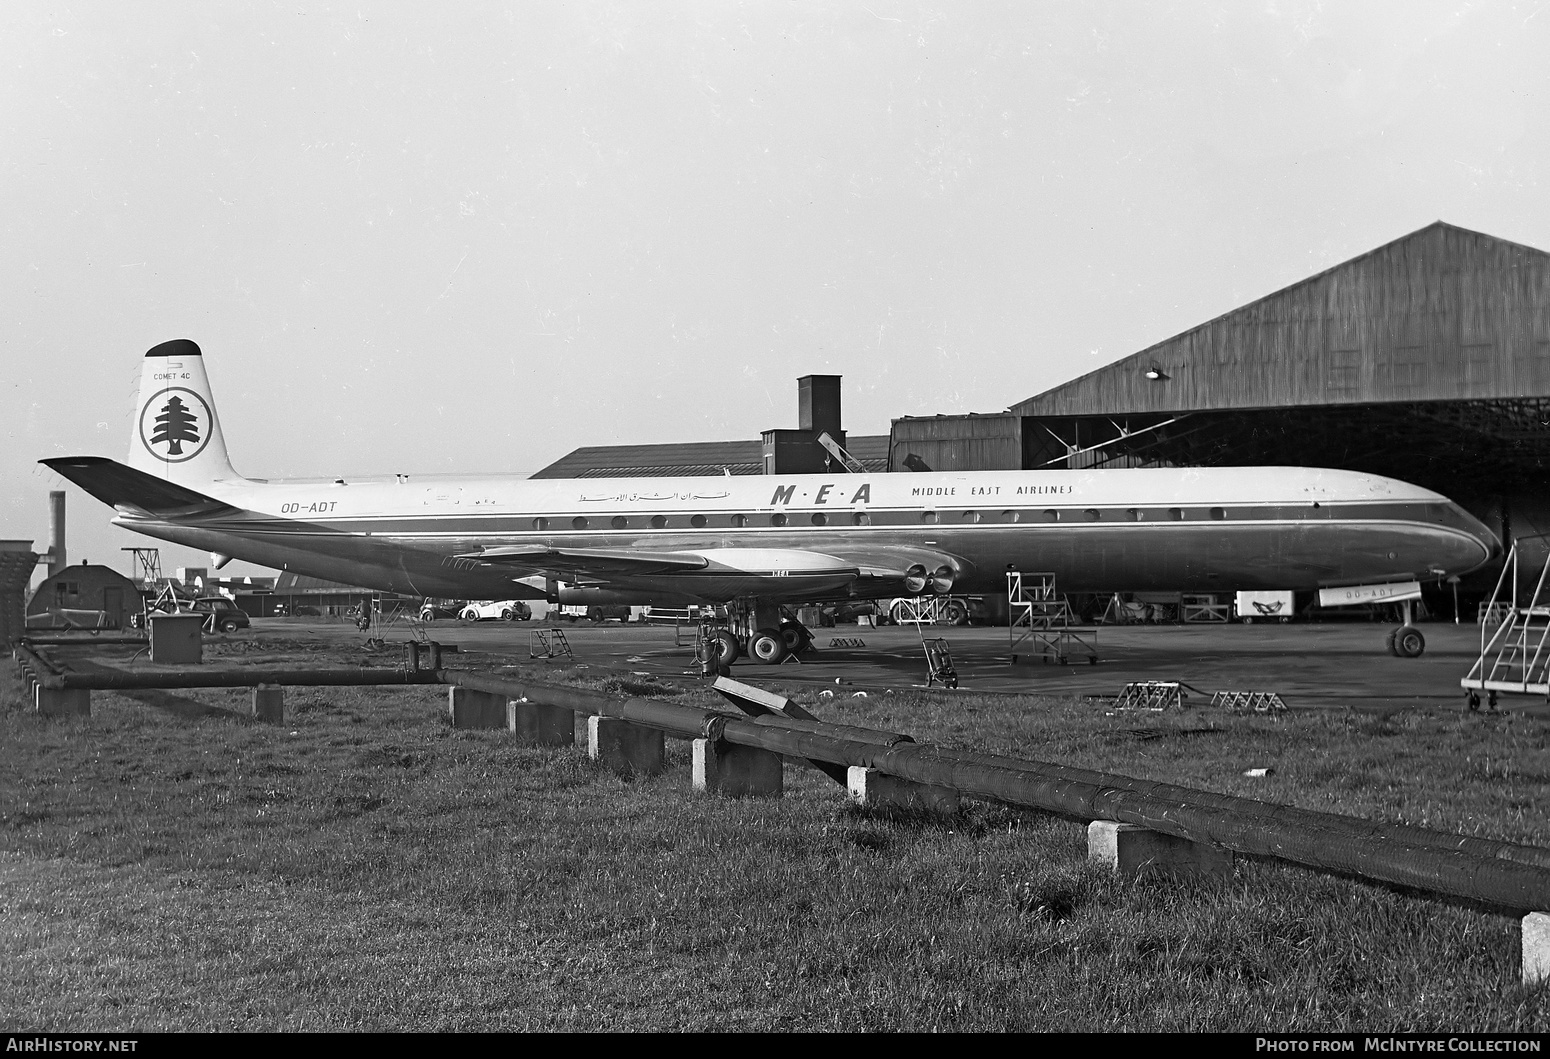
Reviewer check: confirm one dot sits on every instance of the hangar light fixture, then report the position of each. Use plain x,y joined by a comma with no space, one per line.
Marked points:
1156,374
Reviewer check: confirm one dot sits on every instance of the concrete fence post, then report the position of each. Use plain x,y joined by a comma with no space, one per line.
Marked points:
738,771
475,709
871,789
72,702
1536,948
625,748
1129,849
540,724
269,704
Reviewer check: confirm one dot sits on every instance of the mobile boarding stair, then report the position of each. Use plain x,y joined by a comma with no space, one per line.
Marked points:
1516,657
1041,623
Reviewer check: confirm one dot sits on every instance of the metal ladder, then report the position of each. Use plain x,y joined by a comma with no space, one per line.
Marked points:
1516,658
549,643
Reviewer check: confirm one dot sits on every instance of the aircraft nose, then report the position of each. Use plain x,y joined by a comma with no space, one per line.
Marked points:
1488,543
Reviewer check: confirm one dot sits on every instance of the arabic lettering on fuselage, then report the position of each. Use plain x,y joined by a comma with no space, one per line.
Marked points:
626,498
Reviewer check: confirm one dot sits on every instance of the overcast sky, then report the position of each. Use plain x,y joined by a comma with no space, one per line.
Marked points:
471,237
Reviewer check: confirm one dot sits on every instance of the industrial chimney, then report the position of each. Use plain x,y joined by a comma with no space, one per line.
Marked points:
56,532
818,412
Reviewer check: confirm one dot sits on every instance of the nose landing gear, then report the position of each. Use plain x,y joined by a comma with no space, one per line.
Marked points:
1406,641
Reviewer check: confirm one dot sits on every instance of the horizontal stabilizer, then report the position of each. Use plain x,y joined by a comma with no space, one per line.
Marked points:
121,486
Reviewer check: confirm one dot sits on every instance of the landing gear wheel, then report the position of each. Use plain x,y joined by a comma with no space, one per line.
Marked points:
957,612
795,637
1474,701
767,647
1408,642
723,647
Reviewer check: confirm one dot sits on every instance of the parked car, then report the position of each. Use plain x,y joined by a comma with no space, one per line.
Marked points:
221,614
504,609
834,613
596,613
432,609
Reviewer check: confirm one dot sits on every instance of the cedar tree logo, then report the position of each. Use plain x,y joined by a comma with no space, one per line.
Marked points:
175,425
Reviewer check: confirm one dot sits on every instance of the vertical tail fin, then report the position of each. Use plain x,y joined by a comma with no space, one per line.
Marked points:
177,435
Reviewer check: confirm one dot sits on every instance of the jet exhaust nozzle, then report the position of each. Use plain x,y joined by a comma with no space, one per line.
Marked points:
942,580
915,579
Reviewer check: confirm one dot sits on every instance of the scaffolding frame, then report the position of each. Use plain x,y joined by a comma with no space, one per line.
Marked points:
1040,623
921,610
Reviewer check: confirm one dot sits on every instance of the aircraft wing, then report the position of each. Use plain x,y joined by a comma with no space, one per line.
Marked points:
820,570
594,562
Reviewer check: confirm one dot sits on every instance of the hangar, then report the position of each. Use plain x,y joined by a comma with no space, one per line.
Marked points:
95,597
1426,359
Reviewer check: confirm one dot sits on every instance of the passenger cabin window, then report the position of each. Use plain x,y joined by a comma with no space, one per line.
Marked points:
971,516
697,521
540,523
1176,513
1134,514
1218,513
861,518
620,522
1051,515
820,519
658,521
928,516
579,522
1011,516
739,520
1092,514
777,519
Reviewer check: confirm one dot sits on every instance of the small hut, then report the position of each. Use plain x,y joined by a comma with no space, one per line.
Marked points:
84,597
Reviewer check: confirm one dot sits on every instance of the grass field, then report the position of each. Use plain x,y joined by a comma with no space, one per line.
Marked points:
169,864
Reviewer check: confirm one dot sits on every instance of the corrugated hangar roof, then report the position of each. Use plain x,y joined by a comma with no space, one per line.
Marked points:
690,458
1426,359
1442,314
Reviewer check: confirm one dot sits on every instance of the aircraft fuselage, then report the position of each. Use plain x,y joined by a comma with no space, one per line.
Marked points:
805,536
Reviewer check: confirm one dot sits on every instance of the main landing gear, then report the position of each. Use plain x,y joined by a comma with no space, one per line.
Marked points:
764,632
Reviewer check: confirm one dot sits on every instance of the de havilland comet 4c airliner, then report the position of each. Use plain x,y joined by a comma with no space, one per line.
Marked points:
758,544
